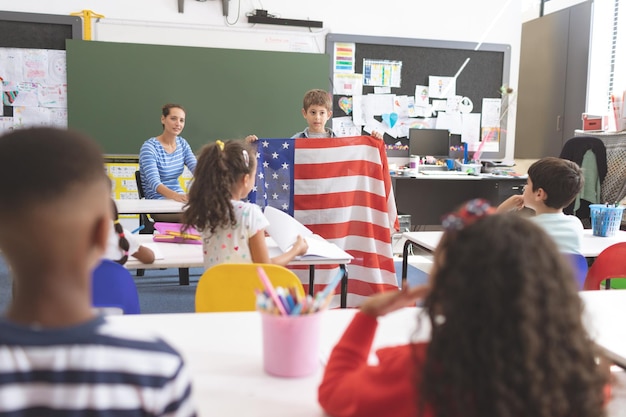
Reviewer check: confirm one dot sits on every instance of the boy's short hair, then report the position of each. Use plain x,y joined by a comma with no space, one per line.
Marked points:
561,180
317,97
40,165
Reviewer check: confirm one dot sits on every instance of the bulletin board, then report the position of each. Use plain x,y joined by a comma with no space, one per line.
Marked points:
116,91
32,68
478,71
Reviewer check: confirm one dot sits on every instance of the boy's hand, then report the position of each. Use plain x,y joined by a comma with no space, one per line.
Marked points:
377,134
386,302
251,138
515,202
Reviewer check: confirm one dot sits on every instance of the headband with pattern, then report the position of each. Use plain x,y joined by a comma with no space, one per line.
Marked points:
468,214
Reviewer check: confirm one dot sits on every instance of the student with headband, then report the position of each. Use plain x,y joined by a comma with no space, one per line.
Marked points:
233,230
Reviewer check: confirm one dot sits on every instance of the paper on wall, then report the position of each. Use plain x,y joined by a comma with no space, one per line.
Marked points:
441,87
377,104
401,106
450,121
52,95
471,127
491,112
57,68
35,65
421,96
348,84
440,105
358,117
343,57
30,116
344,127
11,64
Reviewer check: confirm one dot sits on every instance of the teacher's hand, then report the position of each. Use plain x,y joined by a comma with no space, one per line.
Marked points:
180,197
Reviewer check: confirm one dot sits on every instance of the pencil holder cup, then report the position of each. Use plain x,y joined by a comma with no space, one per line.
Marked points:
473,169
605,220
291,344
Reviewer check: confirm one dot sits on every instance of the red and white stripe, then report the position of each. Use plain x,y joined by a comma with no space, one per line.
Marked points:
342,192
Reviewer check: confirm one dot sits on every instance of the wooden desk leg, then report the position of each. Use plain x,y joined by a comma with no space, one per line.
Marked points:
344,286
311,280
183,276
405,261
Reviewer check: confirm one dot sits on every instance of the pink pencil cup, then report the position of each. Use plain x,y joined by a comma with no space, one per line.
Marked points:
291,344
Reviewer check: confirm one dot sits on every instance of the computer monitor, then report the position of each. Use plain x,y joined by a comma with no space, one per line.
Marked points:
429,142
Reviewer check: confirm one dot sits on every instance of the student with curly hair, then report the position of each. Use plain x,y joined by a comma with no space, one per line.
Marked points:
233,231
506,336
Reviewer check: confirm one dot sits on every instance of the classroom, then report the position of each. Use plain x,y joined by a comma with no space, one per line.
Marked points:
171,34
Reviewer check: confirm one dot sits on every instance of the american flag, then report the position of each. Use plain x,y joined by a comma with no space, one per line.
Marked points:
340,189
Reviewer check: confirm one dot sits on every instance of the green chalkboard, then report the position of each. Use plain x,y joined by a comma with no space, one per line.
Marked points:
116,90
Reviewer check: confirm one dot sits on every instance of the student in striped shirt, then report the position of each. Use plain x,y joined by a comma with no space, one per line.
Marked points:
57,358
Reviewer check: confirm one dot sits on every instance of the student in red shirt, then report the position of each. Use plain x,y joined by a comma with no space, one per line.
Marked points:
506,334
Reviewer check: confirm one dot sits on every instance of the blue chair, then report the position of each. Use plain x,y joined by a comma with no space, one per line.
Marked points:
113,286
580,266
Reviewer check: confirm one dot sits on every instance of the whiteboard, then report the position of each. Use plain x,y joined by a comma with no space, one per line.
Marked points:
131,31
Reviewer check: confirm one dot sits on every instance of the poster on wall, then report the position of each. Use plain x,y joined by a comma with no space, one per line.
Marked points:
34,88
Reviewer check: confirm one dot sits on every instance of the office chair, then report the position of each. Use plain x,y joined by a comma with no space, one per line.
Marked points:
610,264
589,153
144,219
113,286
580,267
230,287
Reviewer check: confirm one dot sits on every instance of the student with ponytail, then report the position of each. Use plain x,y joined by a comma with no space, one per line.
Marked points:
122,243
233,231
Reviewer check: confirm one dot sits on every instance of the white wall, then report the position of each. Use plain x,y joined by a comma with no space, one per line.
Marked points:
202,23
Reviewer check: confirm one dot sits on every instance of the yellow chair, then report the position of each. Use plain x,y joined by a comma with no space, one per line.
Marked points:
230,287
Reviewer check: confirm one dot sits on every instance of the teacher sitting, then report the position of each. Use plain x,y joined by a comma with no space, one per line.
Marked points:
162,159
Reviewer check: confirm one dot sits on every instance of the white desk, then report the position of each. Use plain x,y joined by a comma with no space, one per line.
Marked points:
184,256
224,353
428,241
144,206
603,313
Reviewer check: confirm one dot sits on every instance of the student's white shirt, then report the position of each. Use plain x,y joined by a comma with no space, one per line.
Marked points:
113,250
566,230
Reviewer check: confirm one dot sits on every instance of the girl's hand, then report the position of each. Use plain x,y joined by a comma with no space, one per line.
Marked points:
377,134
386,302
300,246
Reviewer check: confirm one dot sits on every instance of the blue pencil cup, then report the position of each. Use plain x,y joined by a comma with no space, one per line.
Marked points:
605,220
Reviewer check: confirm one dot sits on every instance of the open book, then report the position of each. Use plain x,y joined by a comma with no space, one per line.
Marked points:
284,230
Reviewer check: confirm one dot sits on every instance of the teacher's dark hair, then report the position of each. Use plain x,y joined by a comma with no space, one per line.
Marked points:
165,110
507,337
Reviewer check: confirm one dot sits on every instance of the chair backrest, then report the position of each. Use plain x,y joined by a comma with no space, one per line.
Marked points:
610,264
230,287
139,184
580,266
113,286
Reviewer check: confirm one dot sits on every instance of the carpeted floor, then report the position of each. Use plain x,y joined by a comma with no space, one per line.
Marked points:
159,291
